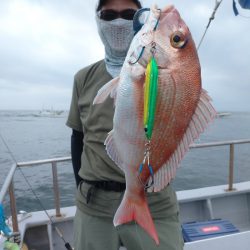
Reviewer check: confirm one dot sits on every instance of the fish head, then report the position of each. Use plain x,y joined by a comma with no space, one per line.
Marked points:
166,37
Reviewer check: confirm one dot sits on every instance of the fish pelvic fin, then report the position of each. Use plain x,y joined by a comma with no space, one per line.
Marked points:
203,115
106,90
136,211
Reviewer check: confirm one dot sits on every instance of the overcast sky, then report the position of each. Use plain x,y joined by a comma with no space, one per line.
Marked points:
45,42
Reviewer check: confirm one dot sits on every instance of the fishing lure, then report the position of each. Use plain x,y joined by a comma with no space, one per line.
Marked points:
150,97
150,101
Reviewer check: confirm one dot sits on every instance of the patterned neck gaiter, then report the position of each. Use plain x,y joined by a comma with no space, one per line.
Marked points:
116,36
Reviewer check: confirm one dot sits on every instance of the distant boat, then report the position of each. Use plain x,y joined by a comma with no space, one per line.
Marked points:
222,114
50,112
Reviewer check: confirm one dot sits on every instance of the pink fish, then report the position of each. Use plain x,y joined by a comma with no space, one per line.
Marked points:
183,111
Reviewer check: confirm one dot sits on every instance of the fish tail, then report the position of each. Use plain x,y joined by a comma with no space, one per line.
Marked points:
139,212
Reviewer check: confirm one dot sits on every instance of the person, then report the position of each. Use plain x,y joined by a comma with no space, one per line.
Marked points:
100,182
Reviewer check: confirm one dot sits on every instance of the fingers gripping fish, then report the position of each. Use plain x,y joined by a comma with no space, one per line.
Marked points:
182,111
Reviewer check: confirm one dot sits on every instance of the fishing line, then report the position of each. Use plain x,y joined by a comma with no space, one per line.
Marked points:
217,4
67,245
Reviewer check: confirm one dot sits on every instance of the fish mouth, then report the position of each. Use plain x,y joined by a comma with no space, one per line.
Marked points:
143,53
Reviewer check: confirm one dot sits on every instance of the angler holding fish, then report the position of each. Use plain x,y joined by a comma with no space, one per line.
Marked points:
157,107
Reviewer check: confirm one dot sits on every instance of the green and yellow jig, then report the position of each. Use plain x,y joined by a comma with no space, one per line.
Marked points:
150,97
150,103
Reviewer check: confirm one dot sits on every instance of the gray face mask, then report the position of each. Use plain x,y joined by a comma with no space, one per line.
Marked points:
116,36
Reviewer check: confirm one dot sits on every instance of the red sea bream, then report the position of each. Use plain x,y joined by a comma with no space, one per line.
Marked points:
183,111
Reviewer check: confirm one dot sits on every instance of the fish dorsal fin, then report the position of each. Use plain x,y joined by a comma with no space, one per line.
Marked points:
112,149
203,115
106,90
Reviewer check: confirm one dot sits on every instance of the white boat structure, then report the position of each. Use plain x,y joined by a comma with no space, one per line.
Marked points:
223,114
49,113
52,229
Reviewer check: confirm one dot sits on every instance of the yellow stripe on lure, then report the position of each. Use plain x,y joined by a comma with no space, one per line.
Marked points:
150,97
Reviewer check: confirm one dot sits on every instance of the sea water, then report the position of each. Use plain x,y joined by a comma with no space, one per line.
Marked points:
36,135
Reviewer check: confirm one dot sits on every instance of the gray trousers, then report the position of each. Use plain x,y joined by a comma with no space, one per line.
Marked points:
98,233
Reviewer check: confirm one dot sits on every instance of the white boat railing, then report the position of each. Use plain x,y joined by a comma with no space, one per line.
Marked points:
9,185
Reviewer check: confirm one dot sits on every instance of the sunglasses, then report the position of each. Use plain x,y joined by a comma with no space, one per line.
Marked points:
109,15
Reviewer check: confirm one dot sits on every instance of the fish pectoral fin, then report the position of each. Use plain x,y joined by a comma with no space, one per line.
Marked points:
136,211
108,89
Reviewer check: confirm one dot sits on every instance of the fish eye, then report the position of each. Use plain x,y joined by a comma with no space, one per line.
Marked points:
178,40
